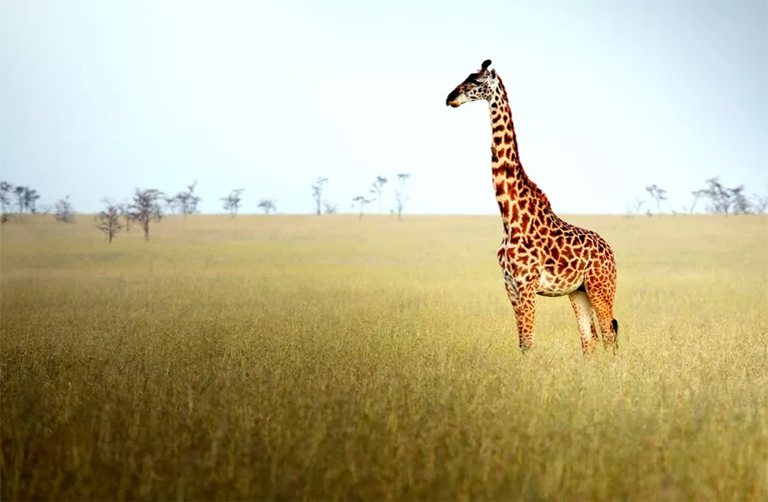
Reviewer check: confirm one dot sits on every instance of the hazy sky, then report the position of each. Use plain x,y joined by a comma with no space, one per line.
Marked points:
99,97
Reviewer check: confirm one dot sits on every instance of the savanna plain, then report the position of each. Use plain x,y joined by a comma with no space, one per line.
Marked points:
336,358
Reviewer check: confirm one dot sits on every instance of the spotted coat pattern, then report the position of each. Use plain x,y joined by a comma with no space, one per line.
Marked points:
540,253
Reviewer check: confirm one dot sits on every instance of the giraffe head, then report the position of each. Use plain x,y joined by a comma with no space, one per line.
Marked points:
477,86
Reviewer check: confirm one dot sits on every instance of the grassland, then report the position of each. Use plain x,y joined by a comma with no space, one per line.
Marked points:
297,357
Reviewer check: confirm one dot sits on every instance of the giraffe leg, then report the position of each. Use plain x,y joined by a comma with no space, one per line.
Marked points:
601,294
585,313
523,299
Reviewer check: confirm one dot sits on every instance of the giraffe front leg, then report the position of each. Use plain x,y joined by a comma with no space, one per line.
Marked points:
523,300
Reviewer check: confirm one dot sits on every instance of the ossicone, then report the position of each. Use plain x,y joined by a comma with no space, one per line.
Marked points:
486,64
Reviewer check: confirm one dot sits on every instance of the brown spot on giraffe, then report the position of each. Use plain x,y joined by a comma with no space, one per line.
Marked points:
540,253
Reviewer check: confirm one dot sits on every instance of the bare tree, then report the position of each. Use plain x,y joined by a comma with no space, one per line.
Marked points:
759,203
696,196
26,199
720,197
172,204
64,212
739,200
635,207
268,206
30,200
361,202
146,208
6,192
187,201
232,201
128,216
658,194
378,186
329,207
400,198
317,192
18,192
108,220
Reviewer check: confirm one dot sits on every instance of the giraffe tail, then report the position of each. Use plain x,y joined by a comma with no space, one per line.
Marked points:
615,325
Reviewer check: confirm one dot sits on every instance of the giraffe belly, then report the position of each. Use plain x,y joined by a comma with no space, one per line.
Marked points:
551,285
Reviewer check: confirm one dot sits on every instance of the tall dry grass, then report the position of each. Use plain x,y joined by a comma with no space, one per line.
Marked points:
297,357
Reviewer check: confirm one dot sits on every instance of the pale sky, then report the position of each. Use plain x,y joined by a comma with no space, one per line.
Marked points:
99,97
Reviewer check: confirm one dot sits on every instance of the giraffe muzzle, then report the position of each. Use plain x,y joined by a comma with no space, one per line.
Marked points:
452,100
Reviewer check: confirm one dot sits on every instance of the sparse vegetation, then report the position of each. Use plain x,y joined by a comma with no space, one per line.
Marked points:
330,207
268,205
232,201
185,201
361,202
658,194
400,197
108,220
313,358
63,211
145,208
377,189
317,193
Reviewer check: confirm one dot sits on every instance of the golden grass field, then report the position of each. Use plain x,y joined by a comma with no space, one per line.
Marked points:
330,358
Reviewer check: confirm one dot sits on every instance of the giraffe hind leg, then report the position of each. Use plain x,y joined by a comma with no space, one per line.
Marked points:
601,295
585,317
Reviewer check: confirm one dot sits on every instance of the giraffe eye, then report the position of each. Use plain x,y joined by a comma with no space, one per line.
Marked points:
472,79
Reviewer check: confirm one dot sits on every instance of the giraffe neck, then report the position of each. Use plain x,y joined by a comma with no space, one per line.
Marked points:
514,189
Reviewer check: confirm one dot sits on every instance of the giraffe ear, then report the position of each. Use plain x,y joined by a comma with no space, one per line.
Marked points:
486,64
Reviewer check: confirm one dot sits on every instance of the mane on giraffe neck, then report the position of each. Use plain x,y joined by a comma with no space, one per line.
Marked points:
514,189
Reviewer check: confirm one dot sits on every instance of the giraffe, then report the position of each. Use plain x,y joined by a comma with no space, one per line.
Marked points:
540,253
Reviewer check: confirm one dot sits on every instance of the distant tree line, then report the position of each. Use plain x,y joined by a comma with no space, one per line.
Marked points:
718,199
374,193
148,204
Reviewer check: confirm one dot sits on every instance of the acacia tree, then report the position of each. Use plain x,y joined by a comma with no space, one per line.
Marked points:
378,186
267,205
172,204
232,201
64,212
18,192
108,220
127,215
187,201
146,208
400,198
739,199
26,199
720,199
30,200
6,191
317,193
361,201
696,196
658,194
759,203
329,207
